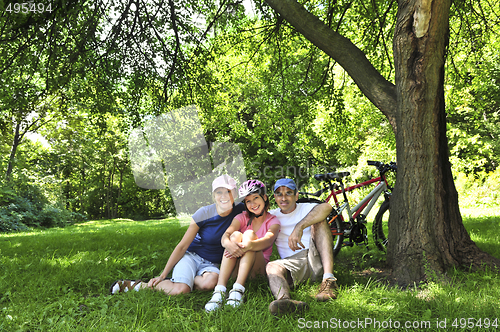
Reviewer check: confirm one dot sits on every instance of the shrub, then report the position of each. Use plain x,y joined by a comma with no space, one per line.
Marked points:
10,220
54,216
30,208
478,190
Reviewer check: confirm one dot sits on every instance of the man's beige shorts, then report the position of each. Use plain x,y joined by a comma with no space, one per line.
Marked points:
304,265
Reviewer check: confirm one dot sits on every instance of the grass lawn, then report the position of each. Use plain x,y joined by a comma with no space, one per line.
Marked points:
58,280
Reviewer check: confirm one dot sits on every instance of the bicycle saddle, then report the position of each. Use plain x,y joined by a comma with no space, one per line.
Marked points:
331,176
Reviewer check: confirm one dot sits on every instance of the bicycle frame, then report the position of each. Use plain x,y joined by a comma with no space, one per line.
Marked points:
354,229
365,205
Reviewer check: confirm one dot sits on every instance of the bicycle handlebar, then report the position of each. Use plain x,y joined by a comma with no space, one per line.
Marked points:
316,194
383,168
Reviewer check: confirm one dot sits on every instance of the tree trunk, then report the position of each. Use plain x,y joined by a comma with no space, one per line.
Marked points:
426,233
15,144
118,195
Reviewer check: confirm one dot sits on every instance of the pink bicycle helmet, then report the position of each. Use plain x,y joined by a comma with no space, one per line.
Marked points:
254,187
251,187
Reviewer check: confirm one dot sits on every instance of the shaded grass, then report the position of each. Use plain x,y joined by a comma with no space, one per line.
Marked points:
58,280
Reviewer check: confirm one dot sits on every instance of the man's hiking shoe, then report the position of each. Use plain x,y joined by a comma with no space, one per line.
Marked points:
326,290
287,306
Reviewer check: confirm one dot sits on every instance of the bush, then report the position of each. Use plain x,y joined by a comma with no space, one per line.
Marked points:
30,208
6,195
10,220
481,189
53,216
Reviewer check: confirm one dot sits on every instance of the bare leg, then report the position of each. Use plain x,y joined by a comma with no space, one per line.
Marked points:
278,280
248,259
259,265
169,287
322,237
246,264
226,269
228,264
207,281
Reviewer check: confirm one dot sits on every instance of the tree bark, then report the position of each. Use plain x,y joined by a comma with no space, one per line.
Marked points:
426,232
426,228
15,144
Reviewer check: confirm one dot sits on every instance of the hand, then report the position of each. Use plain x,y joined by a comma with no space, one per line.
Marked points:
233,250
294,239
155,281
246,246
228,255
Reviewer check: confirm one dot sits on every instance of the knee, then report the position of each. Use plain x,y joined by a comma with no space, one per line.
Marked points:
275,269
209,281
236,236
179,288
320,229
184,289
250,235
320,226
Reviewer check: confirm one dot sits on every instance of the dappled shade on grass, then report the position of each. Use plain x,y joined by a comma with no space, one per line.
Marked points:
58,280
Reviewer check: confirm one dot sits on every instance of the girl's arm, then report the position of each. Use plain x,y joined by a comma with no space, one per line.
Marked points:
231,247
178,252
264,242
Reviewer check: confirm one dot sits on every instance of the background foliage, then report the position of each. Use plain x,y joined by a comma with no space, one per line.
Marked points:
84,78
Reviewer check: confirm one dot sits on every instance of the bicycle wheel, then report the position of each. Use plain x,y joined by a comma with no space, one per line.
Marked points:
380,228
335,223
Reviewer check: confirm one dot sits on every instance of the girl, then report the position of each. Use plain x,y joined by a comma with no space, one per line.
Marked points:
248,241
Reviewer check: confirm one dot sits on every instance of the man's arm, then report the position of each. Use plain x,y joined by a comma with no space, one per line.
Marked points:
316,215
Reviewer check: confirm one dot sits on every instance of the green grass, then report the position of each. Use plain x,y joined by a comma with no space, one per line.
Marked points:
58,280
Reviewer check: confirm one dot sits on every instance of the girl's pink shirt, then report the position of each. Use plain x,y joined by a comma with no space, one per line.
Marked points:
261,232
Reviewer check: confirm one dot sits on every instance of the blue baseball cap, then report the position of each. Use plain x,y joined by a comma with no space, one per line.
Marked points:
289,183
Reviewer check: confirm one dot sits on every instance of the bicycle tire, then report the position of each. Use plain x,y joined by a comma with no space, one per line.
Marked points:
379,236
335,224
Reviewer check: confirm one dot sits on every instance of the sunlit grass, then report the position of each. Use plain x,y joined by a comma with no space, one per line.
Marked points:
58,280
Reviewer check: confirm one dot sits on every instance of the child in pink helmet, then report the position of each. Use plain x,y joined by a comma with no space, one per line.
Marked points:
248,244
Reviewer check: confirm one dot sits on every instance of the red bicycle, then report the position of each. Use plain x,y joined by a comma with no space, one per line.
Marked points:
353,227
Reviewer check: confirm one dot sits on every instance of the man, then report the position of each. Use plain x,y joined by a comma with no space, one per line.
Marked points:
305,247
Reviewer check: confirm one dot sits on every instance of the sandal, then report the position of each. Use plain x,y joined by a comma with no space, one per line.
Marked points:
218,304
124,286
236,302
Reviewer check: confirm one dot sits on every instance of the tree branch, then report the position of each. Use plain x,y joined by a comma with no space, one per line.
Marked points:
379,91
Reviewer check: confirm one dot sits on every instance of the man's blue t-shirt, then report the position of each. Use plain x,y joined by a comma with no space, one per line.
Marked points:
212,226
